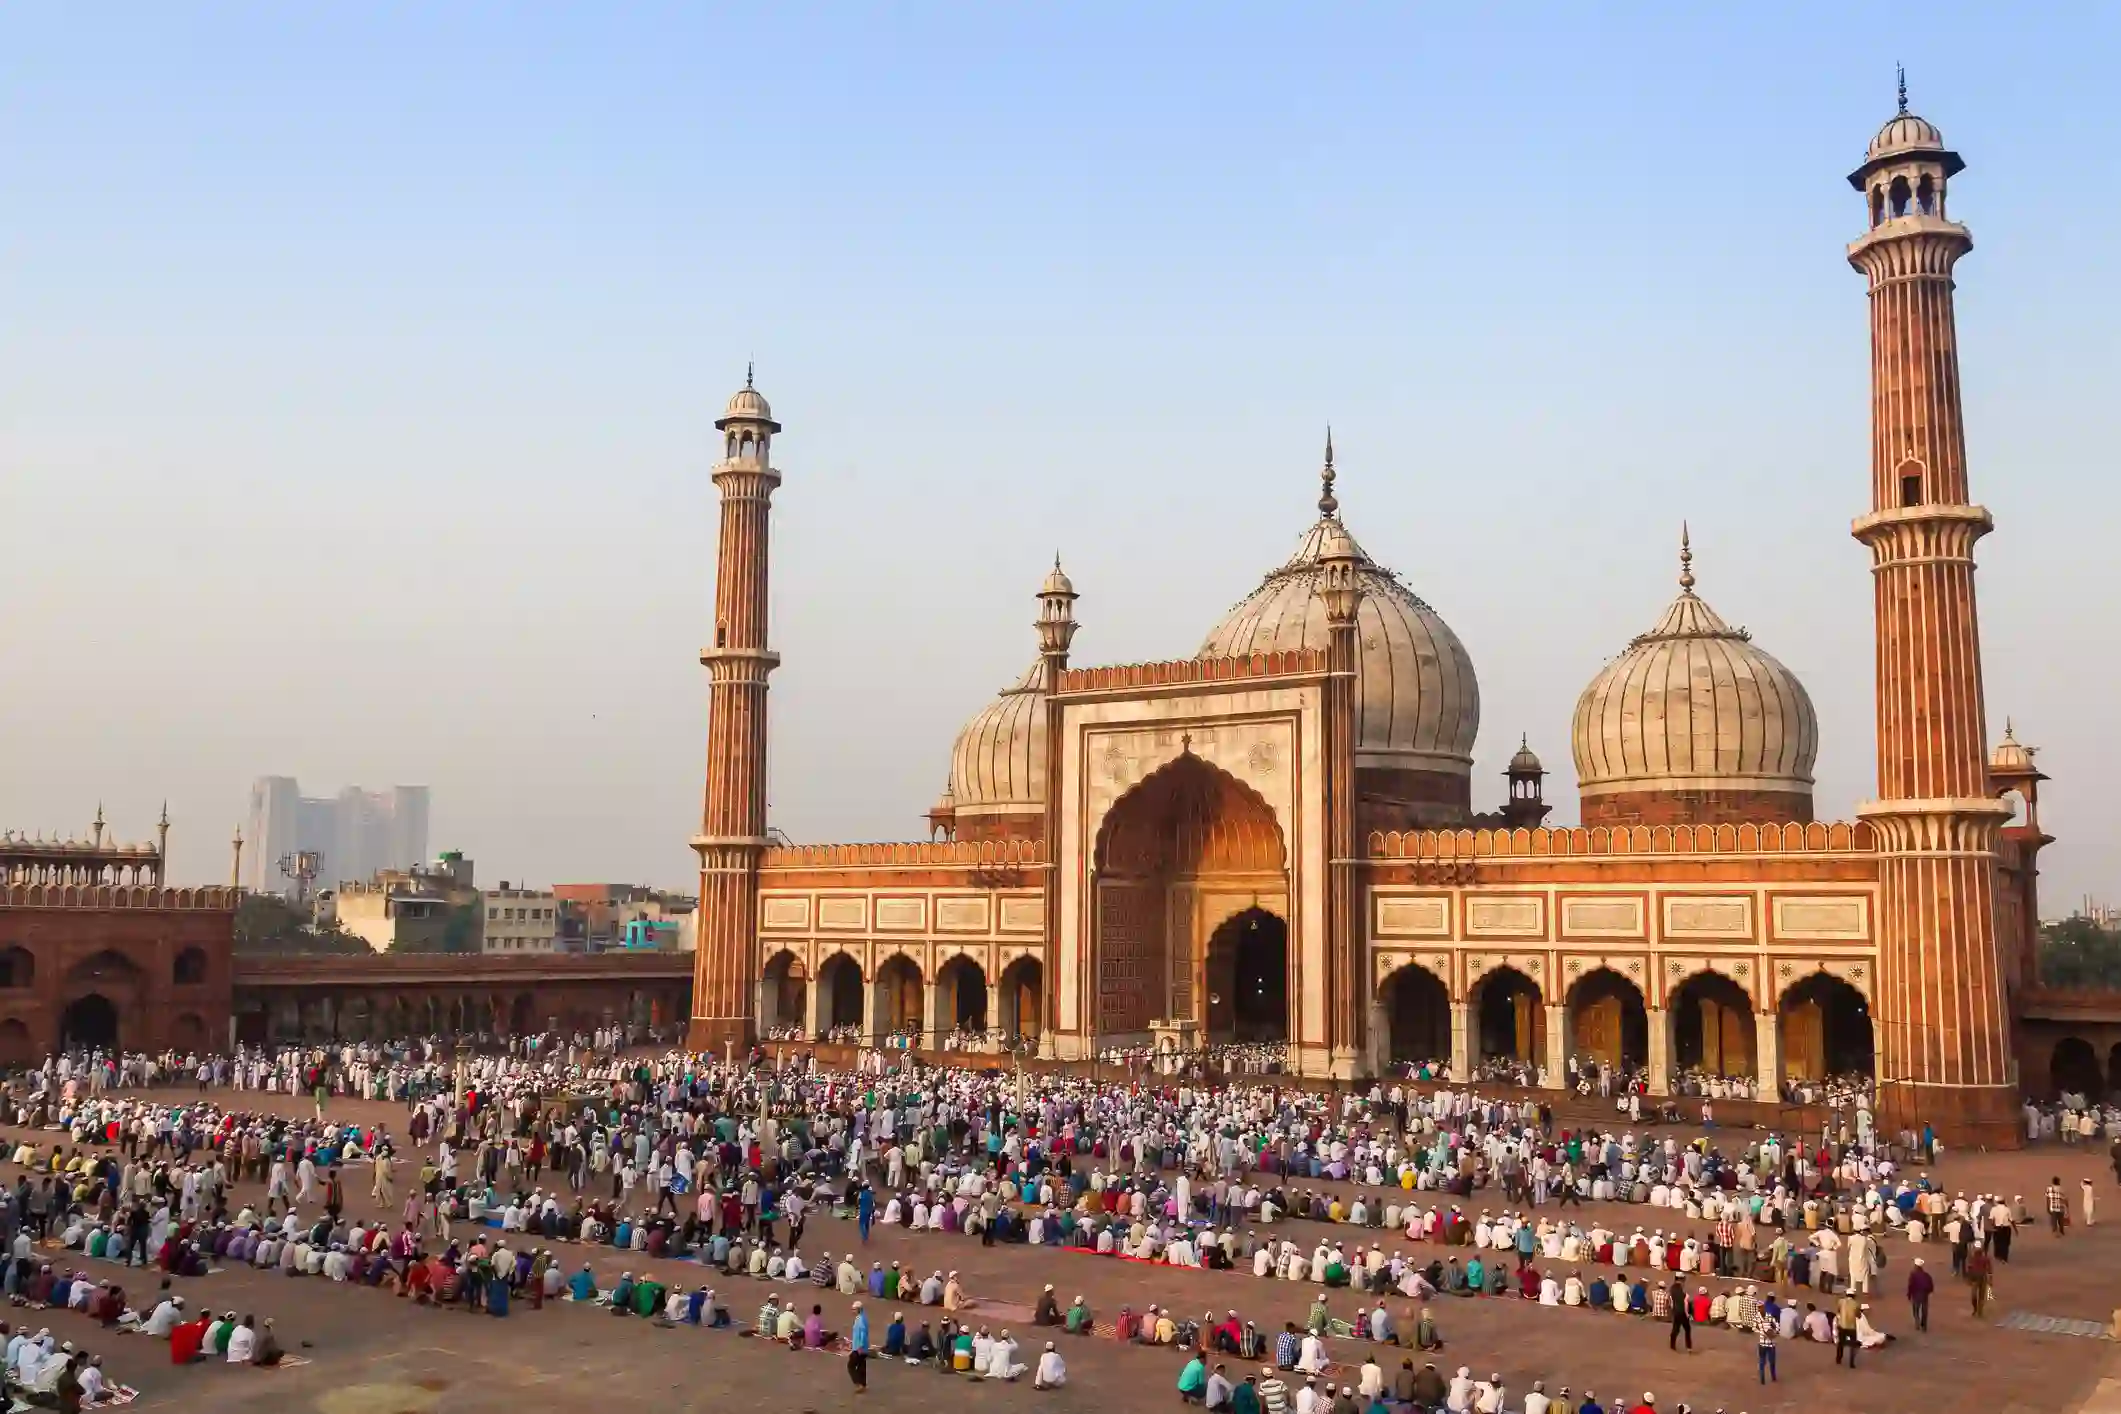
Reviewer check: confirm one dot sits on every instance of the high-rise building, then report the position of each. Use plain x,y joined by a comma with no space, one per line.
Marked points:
356,833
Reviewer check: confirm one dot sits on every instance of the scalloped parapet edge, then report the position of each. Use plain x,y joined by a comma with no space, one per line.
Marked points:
212,898
1179,671
1818,837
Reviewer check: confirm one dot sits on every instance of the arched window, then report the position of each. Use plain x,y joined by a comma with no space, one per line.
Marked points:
1877,205
191,967
17,968
1899,196
1925,195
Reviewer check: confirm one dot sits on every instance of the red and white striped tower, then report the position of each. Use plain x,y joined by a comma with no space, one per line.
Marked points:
1940,1015
733,818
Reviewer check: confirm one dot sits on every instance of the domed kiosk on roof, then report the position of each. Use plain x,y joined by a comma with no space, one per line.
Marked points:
997,785
1418,702
1694,723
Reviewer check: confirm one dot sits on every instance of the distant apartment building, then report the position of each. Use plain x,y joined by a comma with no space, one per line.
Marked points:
596,917
520,920
357,833
413,909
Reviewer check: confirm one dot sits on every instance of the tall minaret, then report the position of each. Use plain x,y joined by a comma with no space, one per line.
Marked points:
733,819
1347,961
1941,1018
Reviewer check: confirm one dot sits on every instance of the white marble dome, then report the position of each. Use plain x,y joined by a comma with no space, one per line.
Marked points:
1418,702
998,765
1694,704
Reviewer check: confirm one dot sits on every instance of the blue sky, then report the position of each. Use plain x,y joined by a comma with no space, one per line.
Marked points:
359,366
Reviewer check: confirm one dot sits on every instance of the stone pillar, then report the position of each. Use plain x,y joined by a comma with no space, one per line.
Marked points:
817,1013
1461,1041
1557,1059
931,1014
1660,1051
1767,1039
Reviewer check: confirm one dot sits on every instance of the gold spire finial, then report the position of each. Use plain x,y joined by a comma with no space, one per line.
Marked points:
1686,559
1327,505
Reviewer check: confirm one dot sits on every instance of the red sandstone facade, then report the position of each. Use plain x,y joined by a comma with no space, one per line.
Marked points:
1945,1046
1124,845
733,818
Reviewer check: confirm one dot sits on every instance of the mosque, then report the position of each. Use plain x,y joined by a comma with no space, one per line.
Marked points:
1280,838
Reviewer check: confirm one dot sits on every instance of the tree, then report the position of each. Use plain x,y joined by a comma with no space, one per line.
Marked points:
267,923
2078,953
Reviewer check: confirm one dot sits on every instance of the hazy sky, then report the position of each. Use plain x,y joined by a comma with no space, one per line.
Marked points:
358,367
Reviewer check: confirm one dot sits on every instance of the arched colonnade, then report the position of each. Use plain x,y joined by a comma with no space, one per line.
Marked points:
1708,1024
895,1001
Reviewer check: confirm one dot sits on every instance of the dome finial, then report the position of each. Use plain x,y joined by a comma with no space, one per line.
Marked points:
748,366
1686,559
1901,71
1327,505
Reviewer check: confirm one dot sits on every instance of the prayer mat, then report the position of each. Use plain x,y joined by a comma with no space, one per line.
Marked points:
289,1362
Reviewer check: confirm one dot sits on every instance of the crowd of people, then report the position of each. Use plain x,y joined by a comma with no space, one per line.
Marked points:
678,1157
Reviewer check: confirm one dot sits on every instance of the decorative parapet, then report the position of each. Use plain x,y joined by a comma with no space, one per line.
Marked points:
943,854
1179,671
1819,837
214,898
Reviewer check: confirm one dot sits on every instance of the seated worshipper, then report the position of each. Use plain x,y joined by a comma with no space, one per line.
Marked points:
1048,1309
1867,1335
1079,1320
185,1340
243,1342
1002,1363
1051,1372
921,1347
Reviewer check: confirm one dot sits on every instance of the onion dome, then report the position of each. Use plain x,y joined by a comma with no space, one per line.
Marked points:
747,404
1526,761
1694,705
998,766
1417,701
1905,132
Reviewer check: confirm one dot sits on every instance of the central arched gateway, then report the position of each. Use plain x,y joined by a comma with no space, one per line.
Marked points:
1192,909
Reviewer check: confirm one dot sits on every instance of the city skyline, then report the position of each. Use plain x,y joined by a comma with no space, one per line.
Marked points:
984,337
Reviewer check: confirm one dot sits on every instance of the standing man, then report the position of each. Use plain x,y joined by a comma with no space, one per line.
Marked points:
1980,1275
1683,1321
2085,1187
2057,1206
1764,1332
1919,1287
1845,1313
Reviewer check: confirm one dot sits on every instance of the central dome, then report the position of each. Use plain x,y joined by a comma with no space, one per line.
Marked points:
1418,703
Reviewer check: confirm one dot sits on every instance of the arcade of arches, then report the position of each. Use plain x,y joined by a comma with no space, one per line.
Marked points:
1192,909
355,1014
899,1001
1709,1024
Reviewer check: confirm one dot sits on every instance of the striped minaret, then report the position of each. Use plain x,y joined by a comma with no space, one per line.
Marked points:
1941,1019
733,819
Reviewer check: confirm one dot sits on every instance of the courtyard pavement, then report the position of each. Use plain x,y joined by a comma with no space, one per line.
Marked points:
370,1353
